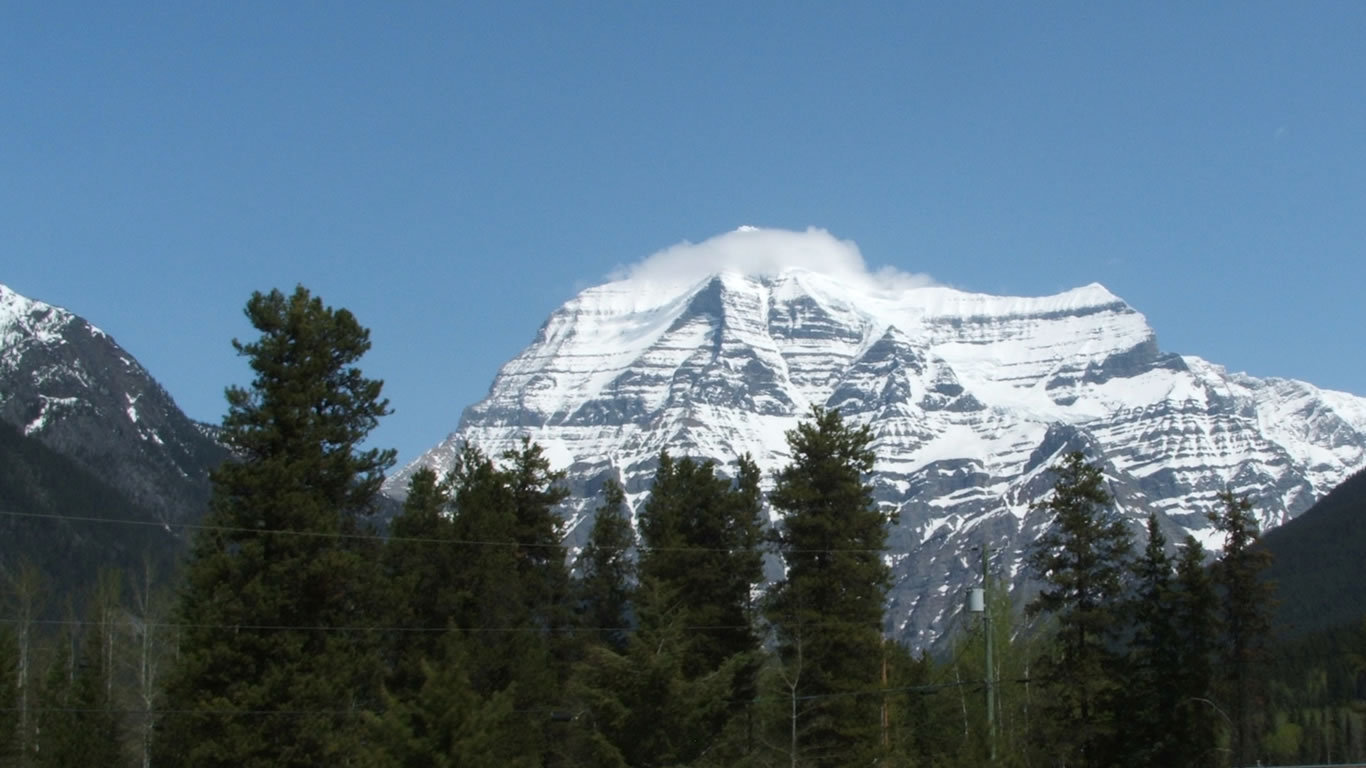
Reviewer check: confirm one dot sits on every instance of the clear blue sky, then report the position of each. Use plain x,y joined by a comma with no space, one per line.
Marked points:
452,172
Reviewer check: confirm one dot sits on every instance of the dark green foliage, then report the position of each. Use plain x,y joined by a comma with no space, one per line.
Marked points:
1317,683
489,594
1151,698
1245,616
477,554
79,723
447,724
1316,564
36,480
1195,629
827,611
421,570
700,559
606,571
274,665
9,695
680,689
1082,561
512,605
535,492
640,708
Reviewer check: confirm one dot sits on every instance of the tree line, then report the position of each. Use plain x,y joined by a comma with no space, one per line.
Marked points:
464,636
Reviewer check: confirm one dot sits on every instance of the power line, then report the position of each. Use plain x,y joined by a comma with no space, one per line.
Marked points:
395,539
366,627
546,710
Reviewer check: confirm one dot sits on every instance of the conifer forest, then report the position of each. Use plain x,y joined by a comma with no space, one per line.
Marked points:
307,627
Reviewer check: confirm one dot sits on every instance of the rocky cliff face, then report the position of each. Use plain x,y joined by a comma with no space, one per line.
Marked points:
970,397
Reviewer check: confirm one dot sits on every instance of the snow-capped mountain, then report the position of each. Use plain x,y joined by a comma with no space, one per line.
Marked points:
69,385
970,397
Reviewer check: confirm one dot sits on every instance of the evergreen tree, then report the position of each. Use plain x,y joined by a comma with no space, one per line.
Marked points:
827,611
700,556
9,696
535,491
447,724
1193,621
699,563
489,594
1245,614
513,585
274,664
422,571
1152,695
606,571
1081,560
640,708
78,724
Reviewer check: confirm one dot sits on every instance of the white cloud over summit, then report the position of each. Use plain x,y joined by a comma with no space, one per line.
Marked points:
757,251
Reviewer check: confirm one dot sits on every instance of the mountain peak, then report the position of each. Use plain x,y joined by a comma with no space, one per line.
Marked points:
716,349
760,252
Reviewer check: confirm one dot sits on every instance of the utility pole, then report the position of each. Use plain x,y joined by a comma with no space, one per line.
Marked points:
977,603
990,676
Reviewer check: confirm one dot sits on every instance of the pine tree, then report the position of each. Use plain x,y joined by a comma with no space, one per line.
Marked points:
274,664
700,554
79,724
445,723
1082,561
9,696
1245,614
1193,620
422,573
1152,696
827,611
640,708
699,562
513,585
607,572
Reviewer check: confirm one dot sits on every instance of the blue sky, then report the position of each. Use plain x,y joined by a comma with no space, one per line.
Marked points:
452,172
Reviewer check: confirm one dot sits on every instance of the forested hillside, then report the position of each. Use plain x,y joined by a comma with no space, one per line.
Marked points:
61,520
1317,562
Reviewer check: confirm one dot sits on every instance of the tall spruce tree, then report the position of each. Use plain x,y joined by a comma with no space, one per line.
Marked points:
421,567
79,723
827,610
1152,693
698,566
275,664
1194,621
512,601
1082,560
607,572
1245,614
445,723
700,553
9,697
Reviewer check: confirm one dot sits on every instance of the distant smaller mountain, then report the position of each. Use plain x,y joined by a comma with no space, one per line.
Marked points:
88,433
1320,562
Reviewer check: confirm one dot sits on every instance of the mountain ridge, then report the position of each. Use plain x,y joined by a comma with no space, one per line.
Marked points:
969,398
67,384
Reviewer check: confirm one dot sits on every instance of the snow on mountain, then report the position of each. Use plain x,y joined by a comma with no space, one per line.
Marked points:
970,397
68,384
